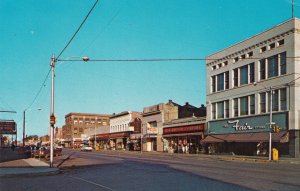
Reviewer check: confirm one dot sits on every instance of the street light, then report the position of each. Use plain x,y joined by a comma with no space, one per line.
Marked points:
52,116
24,114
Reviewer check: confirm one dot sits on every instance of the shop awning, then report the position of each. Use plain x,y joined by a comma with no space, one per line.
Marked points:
184,134
247,137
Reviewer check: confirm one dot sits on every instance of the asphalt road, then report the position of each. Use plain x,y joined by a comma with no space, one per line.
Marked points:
126,171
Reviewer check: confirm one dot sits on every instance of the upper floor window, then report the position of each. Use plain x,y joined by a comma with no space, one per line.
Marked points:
244,105
244,75
262,69
251,73
236,107
220,82
235,77
282,63
220,110
227,80
213,83
262,102
273,66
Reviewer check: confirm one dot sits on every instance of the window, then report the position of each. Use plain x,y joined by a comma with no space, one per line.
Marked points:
213,110
225,63
273,66
214,67
283,63
250,54
244,105
236,107
262,102
213,83
220,81
252,104
227,80
220,110
274,100
252,73
283,99
262,69
244,75
227,108
236,59
243,56
281,42
263,49
235,77
220,65
272,45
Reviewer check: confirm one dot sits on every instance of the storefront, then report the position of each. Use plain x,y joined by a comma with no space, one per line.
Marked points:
134,143
118,141
184,135
248,135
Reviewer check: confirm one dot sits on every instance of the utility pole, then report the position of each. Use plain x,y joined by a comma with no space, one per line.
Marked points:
293,5
24,128
52,116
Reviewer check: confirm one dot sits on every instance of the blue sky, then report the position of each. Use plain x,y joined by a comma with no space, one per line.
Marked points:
31,31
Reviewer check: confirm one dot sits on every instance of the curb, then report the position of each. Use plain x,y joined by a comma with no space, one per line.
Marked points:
29,172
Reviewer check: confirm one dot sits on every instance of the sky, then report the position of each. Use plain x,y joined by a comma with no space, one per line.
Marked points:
31,31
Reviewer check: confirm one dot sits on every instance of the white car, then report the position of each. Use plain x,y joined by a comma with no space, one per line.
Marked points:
86,148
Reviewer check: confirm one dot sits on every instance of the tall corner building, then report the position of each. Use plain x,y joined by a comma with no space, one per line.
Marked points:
240,81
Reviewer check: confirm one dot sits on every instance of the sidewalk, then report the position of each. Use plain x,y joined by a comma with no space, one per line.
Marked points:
23,167
222,157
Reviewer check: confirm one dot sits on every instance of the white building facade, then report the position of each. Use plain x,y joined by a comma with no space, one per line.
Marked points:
240,79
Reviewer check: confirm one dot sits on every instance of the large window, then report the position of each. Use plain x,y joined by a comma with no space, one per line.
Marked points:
213,110
273,66
262,69
236,107
244,75
227,108
227,80
252,73
220,110
244,105
252,104
220,81
235,77
275,105
213,83
283,105
262,102
283,63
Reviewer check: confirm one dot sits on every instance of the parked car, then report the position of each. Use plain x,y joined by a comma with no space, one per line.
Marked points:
86,148
44,152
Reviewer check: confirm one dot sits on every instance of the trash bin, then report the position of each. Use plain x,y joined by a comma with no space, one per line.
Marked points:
275,154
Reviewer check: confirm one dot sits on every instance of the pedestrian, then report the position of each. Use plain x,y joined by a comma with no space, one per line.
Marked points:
13,147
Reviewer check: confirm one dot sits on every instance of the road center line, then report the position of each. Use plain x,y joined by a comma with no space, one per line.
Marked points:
102,186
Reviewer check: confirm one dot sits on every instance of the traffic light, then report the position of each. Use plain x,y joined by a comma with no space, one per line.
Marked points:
276,129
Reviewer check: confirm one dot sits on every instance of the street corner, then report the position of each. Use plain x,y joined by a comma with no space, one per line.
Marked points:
27,172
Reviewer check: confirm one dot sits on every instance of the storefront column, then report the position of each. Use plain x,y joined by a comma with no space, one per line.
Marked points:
294,143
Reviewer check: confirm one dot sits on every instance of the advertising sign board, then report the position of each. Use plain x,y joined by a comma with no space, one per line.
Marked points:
7,127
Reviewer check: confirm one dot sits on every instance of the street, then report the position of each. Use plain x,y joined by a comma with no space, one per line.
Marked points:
109,170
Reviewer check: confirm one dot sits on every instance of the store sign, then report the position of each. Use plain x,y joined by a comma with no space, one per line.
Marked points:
152,130
245,127
184,129
7,127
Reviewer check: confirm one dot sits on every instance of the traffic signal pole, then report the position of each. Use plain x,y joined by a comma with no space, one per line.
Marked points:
52,118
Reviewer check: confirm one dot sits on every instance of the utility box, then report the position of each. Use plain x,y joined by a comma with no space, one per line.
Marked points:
275,154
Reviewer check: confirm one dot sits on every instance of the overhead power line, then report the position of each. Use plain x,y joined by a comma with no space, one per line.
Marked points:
39,91
78,29
156,59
